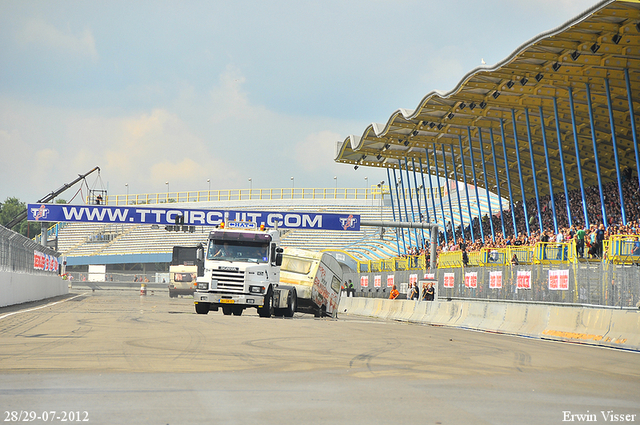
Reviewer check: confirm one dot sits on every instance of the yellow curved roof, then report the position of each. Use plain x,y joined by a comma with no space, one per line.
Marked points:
596,45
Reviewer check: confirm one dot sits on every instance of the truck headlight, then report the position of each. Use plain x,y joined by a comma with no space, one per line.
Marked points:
203,285
256,289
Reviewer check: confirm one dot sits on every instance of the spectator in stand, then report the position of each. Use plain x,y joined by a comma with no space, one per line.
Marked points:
580,235
600,240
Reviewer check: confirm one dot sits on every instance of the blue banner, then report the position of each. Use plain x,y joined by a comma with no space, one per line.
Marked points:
192,217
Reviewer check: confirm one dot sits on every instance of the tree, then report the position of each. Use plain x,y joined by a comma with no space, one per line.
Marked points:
12,207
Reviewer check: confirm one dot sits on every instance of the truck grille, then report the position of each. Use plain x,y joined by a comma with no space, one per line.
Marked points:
229,280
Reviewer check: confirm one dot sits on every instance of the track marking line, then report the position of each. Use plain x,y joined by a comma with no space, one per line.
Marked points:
42,306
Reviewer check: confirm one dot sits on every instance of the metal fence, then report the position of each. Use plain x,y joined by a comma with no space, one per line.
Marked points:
598,284
17,252
134,278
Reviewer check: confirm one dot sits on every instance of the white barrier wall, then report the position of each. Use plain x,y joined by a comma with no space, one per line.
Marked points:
597,326
18,288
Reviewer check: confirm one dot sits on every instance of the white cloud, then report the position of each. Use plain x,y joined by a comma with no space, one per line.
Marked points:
40,32
317,151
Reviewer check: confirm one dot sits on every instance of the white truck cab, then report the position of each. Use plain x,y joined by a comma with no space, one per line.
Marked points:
241,270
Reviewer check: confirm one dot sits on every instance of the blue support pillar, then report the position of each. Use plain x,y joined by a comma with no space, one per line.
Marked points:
506,166
395,182
466,189
595,153
393,210
404,201
455,176
486,184
444,219
632,118
413,214
564,174
546,156
533,168
524,196
623,210
424,191
475,183
433,199
495,169
415,181
446,176
579,164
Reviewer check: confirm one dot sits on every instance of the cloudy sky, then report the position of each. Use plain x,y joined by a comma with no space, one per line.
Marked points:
185,91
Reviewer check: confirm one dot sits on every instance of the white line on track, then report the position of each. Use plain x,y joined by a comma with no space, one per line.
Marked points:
38,308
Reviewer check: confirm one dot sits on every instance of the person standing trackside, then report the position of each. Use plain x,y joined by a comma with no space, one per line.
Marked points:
415,294
394,293
430,292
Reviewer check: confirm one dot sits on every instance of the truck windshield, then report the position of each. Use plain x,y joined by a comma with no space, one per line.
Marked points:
230,250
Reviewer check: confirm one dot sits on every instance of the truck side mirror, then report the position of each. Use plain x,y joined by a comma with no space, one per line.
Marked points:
279,259
200,252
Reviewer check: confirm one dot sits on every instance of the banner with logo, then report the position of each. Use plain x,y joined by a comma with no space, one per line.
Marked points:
364,281
413,279
449,279
524,279
146,214
391,279
45,262
471,280
495,279
377,281
558,280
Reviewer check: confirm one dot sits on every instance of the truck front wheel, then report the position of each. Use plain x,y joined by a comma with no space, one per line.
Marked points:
202,308
227,310
267,309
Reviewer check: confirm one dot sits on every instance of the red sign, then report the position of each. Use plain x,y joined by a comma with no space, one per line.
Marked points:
471,280
524,279
377,281
390,280
495,280
558,280
364,281
413,278
449,279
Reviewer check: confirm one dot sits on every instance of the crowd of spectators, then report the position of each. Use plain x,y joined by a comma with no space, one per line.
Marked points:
589,238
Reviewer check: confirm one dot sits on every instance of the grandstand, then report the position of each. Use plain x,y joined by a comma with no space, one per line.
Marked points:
548,126
117,244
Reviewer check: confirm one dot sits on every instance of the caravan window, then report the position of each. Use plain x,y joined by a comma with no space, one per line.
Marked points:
296,265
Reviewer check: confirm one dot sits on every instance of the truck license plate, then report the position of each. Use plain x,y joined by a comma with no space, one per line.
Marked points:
223,301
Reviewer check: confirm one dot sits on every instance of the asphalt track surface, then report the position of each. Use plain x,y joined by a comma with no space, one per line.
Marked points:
115,357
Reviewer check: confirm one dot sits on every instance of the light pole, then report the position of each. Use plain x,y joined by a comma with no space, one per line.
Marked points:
250,187
167,183
126,185
366,186
292,186
381,186
209,181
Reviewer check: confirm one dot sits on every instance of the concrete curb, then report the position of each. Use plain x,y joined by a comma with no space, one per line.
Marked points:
588,325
